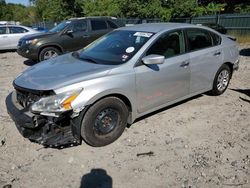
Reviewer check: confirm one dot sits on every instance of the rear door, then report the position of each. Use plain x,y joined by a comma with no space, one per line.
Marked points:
99,27
163,83
4,37
205,58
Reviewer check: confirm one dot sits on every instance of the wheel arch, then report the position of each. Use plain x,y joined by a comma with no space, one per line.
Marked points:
126,102
122,97
230,65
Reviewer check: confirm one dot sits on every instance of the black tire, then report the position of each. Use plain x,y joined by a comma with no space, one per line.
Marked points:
45,51
219,89
104,122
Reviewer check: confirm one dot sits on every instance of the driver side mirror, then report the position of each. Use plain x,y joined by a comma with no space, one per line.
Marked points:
153,59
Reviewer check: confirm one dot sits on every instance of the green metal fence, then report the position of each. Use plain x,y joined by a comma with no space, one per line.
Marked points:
234,23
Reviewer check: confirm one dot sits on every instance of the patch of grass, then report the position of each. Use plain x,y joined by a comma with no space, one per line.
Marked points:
241,38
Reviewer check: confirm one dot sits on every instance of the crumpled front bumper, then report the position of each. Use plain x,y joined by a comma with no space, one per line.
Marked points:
48,131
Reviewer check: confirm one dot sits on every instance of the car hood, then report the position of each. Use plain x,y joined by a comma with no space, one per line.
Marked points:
59,72
37,35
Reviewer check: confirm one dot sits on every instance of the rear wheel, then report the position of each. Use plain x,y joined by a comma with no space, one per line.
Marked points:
221,80
48,52
104,122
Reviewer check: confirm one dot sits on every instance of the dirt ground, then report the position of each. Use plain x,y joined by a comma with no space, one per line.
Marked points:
202,142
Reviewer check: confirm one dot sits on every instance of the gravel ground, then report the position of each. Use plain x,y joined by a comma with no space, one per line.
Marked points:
202,142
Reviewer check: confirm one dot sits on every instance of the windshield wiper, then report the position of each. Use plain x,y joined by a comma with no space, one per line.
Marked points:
76,54
89,60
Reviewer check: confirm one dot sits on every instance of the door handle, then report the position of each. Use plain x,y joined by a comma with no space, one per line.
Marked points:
217,53
4,36
85,36
184,64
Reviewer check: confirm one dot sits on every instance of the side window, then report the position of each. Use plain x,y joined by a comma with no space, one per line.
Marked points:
112,25
168,45
98,25
15,30
216,39
198,39
80,25
3,30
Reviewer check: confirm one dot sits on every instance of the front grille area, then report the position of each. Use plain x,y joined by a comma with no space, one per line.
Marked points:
25,99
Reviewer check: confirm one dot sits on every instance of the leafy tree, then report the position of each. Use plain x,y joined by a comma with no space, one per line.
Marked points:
57,10
2,7
5,11
183,8
126,8
199,11
17,12
101,8
130,8
231,5
213,8
242,8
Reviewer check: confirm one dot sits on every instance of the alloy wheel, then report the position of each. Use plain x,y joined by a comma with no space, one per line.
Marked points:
223,80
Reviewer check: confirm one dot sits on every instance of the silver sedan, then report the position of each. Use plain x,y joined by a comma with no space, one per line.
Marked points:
94,93
10,35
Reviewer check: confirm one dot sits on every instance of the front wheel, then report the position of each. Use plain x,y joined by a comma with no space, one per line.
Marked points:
221,80
104,122
48,52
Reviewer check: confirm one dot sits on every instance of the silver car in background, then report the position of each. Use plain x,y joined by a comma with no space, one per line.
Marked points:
94,93
10,35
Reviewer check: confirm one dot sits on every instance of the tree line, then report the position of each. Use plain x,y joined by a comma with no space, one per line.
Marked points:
57,10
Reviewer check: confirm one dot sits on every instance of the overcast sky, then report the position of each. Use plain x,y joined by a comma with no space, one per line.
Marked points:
24,2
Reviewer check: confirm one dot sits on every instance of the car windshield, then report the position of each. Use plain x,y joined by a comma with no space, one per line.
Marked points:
114,48
60,27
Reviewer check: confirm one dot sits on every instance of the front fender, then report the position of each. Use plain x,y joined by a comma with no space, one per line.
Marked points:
96,89
43,45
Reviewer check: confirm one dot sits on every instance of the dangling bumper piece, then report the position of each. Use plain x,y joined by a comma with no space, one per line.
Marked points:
57,132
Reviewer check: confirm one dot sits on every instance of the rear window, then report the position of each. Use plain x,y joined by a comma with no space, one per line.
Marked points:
98,25
14,30
216,39
112,25
198,39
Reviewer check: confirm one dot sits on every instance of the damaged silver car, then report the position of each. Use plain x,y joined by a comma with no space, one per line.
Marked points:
94,93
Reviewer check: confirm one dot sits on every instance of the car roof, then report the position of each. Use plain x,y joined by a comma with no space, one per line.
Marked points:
157,27
12,25
93,17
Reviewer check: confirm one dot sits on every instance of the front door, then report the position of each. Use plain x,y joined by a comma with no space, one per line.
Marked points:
78,38
160,84
99,28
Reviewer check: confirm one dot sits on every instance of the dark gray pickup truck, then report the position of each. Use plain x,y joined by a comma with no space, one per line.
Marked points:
69,35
